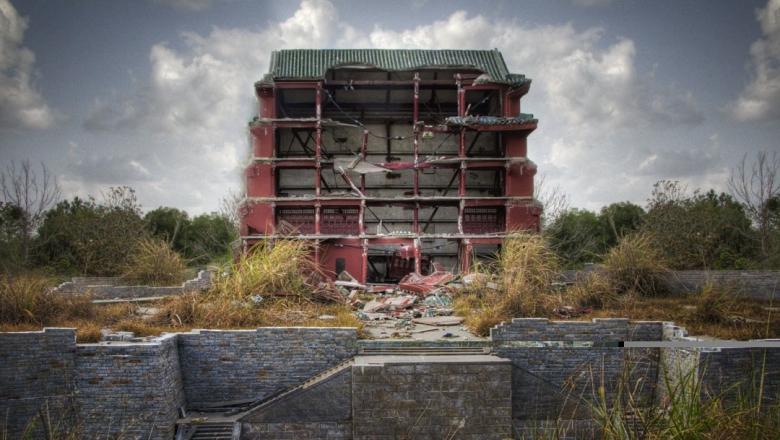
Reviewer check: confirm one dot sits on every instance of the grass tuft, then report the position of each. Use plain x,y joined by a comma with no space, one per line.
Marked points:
278,267
154,263
636,264
525,269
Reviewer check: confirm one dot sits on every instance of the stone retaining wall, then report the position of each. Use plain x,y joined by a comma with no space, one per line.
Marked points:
557,365
425,399
251,364
137,389
129,390
36,375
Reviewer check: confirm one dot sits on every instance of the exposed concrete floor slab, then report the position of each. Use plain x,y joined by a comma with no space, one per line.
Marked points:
428,359
387,329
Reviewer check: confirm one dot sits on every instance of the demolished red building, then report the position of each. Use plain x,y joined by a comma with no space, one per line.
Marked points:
390,161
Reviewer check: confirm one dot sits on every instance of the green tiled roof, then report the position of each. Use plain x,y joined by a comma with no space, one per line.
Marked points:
314,63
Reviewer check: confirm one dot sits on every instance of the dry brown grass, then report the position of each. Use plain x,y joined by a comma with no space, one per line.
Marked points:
279,267
200,311
594,290
636,264
525,269
26,299
272,286
154,263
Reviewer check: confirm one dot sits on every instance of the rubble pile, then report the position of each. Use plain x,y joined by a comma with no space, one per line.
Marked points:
417,303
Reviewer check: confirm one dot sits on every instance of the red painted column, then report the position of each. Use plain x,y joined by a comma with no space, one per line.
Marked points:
318,139
417,256
364,268
363,154
415,139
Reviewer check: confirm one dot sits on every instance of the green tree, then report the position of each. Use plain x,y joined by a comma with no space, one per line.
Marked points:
699,230
210,236
200,239
171,225
30,194
90,237
618,220
577,236
12,230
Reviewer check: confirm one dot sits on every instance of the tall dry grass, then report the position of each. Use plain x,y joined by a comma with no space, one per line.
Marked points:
689,411
155,263
278,267
27,303
272,285
26,299
525,269
636,264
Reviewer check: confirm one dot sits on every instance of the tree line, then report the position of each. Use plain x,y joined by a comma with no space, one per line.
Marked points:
96,235
694,229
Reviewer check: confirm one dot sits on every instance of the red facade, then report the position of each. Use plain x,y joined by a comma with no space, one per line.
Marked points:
390,172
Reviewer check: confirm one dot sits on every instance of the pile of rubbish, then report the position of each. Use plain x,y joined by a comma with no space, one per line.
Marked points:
416,299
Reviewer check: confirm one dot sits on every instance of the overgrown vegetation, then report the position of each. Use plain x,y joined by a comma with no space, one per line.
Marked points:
635,265
154,263
524,269
279,267
688,411
521,282
27,304
274,285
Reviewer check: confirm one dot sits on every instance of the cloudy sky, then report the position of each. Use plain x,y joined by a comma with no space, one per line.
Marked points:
156,94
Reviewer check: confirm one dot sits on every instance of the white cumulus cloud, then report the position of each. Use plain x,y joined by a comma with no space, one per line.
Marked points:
760,99
21,104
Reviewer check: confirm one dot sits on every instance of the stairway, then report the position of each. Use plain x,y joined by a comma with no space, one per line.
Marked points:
213,431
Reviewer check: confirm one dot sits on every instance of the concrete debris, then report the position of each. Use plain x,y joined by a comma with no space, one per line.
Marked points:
571,312
414,282
419,306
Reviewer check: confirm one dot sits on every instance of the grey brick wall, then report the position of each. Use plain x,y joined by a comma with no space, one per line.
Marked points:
753,283
250,364
129,389
36,375
738,371
600,331
321,411
426,400
558,365
761,284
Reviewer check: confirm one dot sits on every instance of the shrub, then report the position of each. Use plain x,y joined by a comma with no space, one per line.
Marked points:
636,264
154,262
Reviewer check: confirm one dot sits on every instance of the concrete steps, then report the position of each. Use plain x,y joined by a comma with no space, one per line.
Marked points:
214,431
